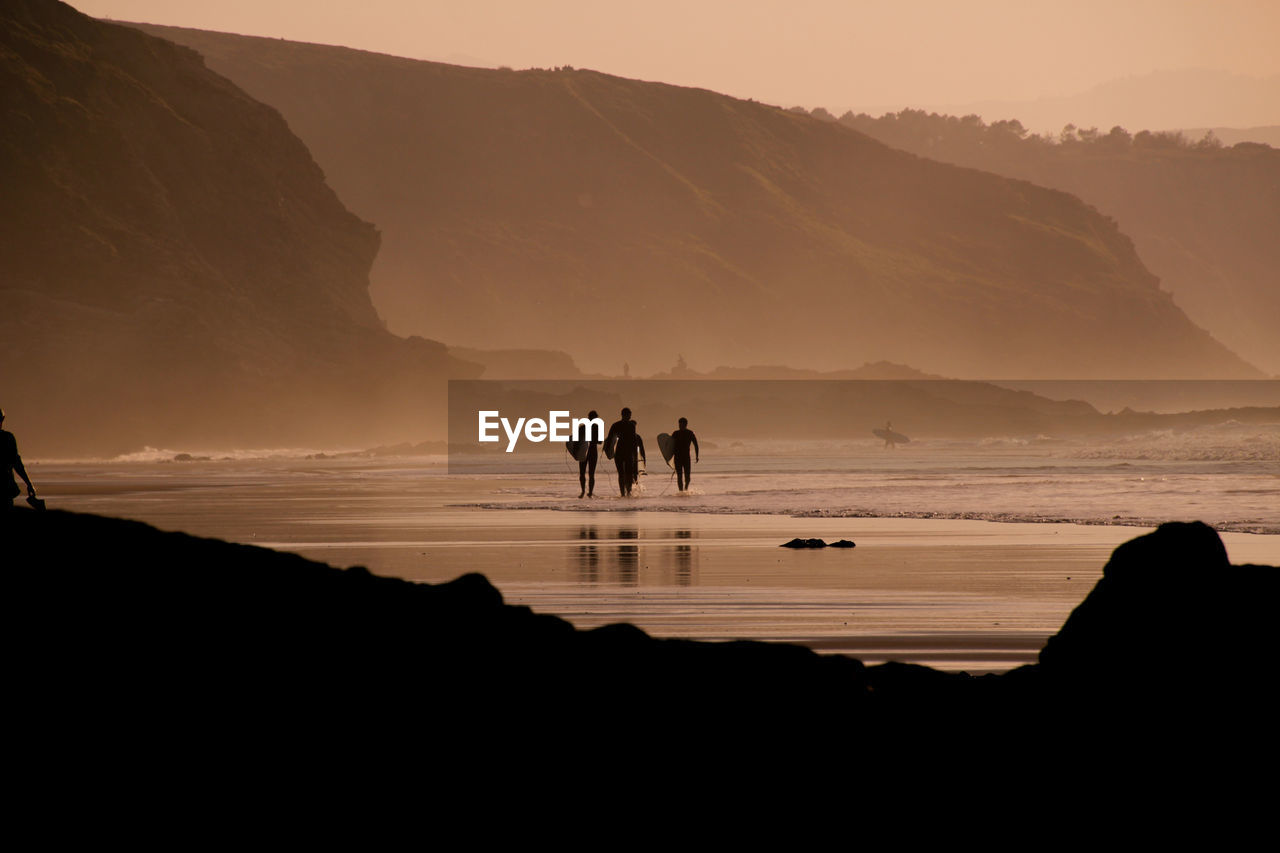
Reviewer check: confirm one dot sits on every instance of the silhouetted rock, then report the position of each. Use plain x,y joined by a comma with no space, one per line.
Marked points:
804,543
170,642
1171,623
817,543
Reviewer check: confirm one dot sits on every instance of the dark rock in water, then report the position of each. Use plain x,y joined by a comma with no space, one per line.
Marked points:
817,543
804,543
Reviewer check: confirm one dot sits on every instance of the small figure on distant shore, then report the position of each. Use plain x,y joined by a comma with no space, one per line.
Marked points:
11,462
889,443
626,447
682,439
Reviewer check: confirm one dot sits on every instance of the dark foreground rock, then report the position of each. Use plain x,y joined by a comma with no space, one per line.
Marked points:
129,635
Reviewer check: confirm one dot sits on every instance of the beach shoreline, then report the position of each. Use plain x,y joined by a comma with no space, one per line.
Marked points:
967,594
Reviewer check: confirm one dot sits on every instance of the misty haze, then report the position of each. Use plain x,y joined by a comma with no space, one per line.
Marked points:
953,300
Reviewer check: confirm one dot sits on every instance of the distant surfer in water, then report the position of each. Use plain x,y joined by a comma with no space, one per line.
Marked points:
888,436
627,447
11,462
682,439
587,465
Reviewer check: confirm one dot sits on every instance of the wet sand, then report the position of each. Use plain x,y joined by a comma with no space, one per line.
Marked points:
954,594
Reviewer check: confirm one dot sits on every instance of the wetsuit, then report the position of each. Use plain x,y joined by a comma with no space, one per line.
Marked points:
623,433
587,467
681,440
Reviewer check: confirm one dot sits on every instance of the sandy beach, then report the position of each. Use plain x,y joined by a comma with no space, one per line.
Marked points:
948,593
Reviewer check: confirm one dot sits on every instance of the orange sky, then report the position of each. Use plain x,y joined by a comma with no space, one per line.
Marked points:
860,54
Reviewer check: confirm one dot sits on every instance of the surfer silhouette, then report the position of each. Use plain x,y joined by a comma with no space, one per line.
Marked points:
888,436
12,462
587,465
625,446
681,441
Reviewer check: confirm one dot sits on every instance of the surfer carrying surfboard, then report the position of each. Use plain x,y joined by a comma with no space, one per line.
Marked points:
681,440
624,446
891,439
587,459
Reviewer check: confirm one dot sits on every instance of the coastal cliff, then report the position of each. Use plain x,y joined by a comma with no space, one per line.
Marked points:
176,270
624,220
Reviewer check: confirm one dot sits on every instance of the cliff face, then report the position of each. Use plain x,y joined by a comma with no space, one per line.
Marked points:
625,221
1202,217
175,266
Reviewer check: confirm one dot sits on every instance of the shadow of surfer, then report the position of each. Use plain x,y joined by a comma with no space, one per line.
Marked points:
624,446
12,463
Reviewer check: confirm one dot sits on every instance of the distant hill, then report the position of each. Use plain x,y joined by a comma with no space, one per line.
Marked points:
785,410
1229,136
880,371
175,268
623,221
548,364
520,363
1185,97
1204,217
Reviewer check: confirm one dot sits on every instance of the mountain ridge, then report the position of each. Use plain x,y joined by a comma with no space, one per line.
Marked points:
626,221
1204,97
1202,216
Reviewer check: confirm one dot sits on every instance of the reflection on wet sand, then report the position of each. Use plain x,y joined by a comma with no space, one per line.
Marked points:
613,556
683,558
628,558
588,562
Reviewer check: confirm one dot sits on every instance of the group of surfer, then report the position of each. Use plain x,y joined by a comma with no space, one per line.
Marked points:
624,444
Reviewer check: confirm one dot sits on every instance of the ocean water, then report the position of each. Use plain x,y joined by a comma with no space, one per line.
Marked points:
1227,475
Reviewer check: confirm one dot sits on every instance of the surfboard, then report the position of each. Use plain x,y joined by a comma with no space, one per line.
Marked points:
667,447
578,449
610,444
890,435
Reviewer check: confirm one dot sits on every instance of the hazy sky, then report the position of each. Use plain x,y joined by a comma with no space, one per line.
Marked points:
852,54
